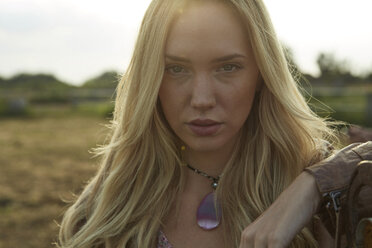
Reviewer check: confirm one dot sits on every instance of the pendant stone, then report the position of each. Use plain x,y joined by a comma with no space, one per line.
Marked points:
208,217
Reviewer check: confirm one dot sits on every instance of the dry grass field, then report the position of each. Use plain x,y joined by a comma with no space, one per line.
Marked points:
42,161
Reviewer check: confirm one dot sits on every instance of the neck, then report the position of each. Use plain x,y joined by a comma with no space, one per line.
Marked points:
210,162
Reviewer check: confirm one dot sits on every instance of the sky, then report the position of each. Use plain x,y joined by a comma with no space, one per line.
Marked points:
79,39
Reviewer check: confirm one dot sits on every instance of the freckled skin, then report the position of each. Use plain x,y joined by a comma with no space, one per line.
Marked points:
199,84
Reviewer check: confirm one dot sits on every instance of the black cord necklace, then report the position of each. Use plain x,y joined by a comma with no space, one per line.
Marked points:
213,179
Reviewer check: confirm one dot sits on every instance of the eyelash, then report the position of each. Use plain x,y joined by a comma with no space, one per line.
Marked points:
170,68
234,67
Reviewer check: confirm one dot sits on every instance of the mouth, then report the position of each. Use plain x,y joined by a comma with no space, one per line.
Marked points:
204,127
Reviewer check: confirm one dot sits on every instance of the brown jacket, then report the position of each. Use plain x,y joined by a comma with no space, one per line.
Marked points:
333,176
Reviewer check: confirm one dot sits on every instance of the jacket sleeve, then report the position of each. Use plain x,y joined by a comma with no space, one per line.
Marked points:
333,177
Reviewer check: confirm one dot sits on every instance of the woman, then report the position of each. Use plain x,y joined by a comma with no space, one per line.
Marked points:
209,129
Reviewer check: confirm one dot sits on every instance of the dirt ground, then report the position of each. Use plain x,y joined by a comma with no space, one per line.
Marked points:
43,161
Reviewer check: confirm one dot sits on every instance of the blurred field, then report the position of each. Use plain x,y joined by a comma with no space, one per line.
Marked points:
43,160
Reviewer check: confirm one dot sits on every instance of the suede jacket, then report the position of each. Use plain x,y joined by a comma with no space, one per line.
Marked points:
334,176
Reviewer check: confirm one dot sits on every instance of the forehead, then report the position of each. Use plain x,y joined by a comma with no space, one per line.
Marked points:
206,26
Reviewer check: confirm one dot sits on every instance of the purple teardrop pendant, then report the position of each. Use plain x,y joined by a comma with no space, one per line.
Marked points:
208,217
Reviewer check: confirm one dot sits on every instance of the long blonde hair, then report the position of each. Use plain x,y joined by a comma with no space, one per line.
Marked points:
140,173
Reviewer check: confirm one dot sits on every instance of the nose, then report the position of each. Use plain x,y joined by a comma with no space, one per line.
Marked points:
203,93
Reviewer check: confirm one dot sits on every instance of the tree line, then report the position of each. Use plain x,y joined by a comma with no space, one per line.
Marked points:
333,72
40,82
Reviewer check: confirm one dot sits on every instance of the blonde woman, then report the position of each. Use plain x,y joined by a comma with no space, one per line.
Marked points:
210,139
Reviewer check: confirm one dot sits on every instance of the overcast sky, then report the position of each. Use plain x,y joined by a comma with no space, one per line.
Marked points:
79,39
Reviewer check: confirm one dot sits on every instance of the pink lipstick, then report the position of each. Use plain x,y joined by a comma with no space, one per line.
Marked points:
204,127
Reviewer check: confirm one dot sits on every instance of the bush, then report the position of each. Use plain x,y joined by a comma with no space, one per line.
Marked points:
14,107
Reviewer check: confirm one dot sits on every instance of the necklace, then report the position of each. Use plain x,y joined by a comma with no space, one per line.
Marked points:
213,179
208,215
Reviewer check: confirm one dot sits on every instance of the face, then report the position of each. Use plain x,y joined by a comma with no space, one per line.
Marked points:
210,78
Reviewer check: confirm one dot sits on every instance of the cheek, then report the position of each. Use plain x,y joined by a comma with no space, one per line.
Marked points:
165,95
241,105
168,103
164,101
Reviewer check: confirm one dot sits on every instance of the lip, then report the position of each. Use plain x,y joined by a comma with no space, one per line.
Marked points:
204,127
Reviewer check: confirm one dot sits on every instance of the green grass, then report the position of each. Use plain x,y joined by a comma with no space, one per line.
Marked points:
350,109
93,109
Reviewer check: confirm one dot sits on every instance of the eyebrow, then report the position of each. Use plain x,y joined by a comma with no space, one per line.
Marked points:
220,59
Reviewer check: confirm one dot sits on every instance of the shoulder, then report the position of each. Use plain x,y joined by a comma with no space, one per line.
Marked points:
335,171
323,149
